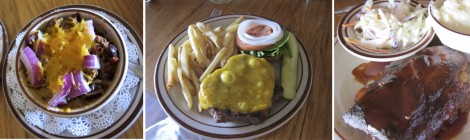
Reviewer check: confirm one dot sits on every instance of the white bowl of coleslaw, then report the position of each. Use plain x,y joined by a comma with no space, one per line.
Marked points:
451,21
383,31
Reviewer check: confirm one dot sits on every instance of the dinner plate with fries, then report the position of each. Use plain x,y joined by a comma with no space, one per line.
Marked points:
197,52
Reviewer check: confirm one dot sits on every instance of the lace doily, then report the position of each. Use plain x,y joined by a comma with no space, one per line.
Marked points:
77,126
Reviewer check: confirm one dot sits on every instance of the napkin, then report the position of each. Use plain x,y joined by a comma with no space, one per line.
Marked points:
161,127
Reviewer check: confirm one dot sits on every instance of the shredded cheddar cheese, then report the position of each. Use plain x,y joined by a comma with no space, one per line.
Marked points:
64,51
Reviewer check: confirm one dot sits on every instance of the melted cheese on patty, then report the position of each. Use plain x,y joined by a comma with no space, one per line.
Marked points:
245,84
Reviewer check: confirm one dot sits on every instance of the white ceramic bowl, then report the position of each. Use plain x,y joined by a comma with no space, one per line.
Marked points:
451,38
344,32
110,32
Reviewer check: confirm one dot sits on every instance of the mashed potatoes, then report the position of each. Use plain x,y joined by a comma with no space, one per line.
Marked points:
455,14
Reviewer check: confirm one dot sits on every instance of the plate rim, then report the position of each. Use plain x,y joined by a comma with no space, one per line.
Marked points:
336,40
284,119
4,43
128,122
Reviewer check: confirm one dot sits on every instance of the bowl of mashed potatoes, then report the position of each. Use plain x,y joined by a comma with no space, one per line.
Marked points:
450,19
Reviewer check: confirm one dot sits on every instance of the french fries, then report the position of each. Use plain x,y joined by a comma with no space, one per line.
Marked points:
187,88
231,27
206,50
172,66
214,63
197,46
210,33
229,40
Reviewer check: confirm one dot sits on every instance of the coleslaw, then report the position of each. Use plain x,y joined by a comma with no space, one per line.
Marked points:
389,28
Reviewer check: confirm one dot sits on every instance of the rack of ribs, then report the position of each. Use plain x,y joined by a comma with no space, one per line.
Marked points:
415,98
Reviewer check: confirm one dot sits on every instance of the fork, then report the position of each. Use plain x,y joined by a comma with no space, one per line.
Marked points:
216,12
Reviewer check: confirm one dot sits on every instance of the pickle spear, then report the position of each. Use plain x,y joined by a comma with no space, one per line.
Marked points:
289,69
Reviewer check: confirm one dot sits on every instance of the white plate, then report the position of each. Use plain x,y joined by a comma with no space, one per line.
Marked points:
345,89
201,123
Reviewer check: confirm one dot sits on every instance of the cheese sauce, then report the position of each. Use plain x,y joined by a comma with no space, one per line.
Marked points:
245,84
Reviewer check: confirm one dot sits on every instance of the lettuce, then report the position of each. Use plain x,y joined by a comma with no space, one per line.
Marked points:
280,48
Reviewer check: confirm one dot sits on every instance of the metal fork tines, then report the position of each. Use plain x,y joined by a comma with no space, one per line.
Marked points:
216,12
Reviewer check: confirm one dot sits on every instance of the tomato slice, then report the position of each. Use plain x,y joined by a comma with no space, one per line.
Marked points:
247,47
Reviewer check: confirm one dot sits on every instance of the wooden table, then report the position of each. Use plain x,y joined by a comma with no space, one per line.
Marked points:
17,13
309,20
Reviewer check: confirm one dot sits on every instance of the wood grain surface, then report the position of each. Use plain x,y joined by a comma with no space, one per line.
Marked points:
17,13
309,20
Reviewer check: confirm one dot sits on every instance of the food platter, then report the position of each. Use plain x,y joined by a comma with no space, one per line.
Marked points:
345,89
356,50
118,123
201,123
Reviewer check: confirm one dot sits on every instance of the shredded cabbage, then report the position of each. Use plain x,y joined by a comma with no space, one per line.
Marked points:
393,27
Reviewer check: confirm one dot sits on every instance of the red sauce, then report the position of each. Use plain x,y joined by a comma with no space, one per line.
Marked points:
360,93
260,30
369,71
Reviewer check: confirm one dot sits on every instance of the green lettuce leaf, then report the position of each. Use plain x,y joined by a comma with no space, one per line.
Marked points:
280,48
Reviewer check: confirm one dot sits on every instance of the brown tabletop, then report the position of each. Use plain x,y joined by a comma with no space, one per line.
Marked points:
17,13
309,20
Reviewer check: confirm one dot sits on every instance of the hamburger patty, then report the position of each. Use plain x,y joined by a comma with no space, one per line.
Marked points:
415,98
225,115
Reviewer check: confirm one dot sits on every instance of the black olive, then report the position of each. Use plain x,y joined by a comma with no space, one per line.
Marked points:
93,95
92,87
30,39
96,86
77,16
227,112
51,22
112,50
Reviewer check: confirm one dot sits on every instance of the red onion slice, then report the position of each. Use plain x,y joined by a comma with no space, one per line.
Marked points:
32,65
80,87
38,45
39,48
91,61
59,97
91,29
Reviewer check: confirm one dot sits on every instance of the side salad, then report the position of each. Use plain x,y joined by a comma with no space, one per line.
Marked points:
389,28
